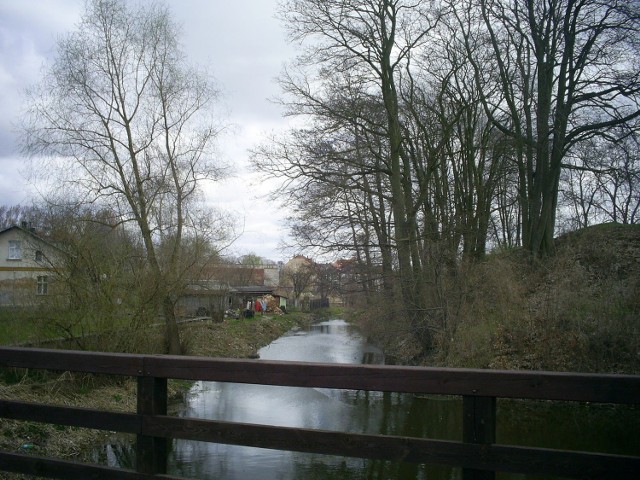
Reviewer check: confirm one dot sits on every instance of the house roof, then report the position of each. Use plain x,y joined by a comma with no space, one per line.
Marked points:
16,227
30,232
206,289
257,290
252,290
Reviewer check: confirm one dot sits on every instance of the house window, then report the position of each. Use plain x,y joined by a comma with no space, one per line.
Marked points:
39,256
15,250
42,285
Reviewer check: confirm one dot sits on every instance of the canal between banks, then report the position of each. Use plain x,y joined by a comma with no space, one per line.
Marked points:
539,424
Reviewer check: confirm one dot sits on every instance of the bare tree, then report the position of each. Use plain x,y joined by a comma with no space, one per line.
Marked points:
94,261
325,277
580,197
604,182
14,215
563,71
124,109
298,275
363,46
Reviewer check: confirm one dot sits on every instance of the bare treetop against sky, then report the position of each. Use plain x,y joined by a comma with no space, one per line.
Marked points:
240,43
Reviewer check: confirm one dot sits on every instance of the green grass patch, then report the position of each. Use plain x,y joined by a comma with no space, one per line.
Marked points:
20,326
34,326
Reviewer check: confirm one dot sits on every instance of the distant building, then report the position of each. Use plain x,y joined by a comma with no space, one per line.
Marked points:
27,267
240,296
239,275
204,299
229,286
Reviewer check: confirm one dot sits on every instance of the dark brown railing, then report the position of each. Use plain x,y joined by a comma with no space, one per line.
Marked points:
478,454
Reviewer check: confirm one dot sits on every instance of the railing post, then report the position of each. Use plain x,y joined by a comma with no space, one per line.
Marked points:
151,452
478,426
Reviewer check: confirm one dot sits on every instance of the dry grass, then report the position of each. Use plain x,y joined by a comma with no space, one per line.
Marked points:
578,311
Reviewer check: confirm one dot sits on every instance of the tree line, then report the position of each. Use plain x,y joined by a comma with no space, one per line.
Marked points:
435,130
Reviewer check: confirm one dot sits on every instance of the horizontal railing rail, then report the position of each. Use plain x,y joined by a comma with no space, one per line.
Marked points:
478,454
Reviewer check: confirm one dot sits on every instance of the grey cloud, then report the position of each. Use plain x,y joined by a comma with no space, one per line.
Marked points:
27,36
243,44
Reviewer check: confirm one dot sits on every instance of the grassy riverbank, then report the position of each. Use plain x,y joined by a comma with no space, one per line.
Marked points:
233,338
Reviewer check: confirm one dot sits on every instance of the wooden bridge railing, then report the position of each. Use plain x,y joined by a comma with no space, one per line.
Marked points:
478,454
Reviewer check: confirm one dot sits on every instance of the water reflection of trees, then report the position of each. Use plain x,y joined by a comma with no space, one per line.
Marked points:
576,426
389,414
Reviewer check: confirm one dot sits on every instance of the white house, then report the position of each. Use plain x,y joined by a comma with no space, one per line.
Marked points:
26,272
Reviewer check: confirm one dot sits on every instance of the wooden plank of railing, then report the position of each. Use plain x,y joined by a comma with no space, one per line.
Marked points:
380,447
393,448
52,468
396,448
72,361
606,388
71,416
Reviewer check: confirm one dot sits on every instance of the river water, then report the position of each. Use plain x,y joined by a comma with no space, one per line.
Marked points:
574,426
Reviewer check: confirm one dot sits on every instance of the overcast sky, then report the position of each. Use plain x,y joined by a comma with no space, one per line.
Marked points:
239,42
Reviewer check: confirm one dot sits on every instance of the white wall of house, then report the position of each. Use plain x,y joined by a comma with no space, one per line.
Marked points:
25,276
271,275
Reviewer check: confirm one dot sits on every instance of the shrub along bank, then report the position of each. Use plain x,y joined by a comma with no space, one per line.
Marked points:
578,310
